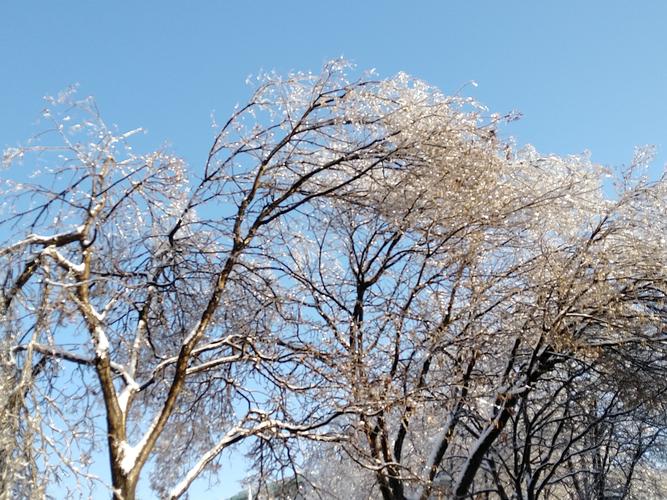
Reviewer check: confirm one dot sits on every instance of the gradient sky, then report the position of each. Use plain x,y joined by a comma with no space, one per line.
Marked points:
586,75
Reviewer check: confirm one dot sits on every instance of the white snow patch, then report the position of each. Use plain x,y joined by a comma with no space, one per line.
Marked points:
192,334
101,343
64,261
98,316
125,394
129,459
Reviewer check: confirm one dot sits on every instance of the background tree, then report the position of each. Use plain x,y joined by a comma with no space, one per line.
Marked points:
477,277
579,325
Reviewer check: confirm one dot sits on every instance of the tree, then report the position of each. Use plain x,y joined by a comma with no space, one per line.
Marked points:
359,265
19,475
563,291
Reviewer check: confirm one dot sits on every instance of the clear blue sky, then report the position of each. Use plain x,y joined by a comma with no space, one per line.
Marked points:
585,74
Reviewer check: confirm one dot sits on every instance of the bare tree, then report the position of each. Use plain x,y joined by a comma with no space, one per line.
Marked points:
361,263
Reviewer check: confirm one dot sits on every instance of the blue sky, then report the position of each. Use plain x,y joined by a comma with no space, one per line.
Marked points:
586,75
